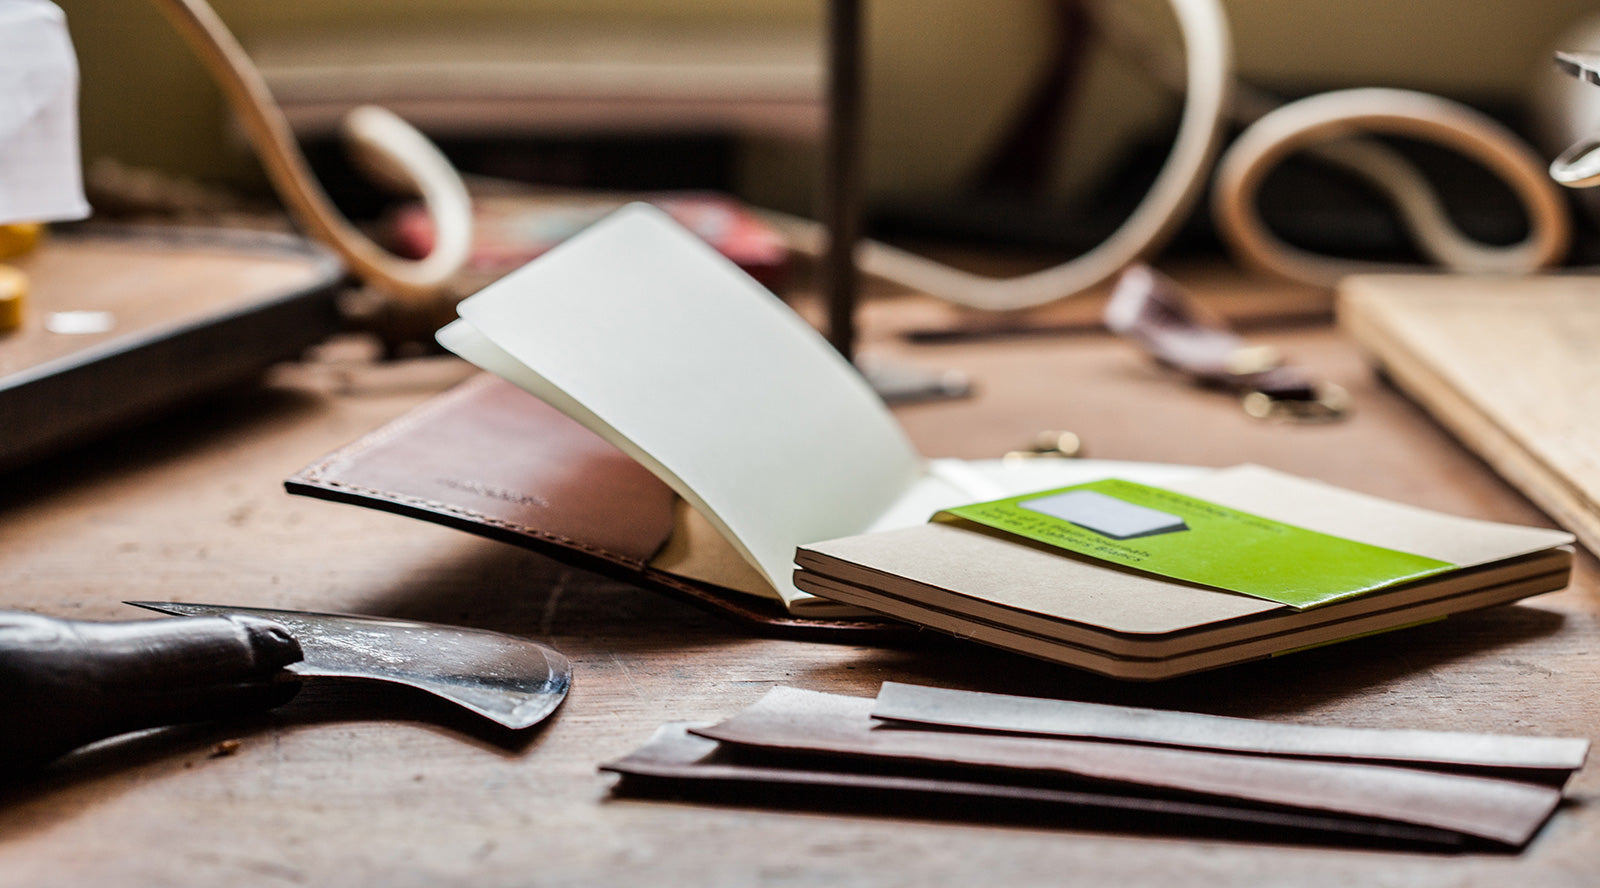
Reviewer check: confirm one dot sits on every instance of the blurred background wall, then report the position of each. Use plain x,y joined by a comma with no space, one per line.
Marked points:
944,74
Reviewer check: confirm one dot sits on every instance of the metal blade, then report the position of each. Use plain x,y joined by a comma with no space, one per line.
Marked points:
509,680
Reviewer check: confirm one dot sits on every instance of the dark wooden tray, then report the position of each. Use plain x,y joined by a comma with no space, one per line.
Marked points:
194,311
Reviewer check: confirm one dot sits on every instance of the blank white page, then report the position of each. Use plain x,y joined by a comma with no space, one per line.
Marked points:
646,335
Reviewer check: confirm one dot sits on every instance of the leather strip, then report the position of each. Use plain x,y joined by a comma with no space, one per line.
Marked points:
676,763
1548,759
1151,310
1503,811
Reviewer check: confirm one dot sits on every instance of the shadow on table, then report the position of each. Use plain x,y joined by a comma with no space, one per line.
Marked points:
244,413
97,773
526,594
1289,684
1088,819
503,588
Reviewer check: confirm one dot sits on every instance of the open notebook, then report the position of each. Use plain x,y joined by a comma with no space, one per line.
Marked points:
688,430
640,332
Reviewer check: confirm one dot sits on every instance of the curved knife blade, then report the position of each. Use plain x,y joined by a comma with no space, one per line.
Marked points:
512,681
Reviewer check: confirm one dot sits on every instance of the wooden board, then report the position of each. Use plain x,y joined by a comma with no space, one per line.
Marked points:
192,311
1510,366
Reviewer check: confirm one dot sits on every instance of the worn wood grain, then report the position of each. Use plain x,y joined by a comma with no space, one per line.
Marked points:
350,788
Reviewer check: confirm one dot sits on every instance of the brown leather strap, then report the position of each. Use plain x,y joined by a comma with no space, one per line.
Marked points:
1177,330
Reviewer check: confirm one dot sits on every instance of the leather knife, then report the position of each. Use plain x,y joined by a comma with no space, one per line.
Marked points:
68,683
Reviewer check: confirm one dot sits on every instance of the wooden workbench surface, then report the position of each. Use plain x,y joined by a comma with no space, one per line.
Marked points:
348,788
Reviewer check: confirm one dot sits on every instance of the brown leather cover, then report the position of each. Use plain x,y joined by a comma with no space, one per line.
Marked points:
488,458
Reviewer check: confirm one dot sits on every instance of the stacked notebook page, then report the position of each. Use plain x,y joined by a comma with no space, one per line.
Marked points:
931,750
1010,591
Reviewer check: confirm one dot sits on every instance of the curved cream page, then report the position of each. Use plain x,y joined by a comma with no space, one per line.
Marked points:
644,334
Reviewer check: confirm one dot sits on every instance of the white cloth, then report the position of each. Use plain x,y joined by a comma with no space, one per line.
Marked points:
40,175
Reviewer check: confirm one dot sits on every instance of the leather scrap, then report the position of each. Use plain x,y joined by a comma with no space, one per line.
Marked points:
1546,759
1154,312
1492,809
677,763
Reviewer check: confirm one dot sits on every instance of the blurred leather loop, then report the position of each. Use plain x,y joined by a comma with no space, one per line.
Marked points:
1326,122
382,144
1208,61
1331,127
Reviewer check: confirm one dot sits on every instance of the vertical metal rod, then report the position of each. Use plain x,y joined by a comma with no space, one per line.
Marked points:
841,191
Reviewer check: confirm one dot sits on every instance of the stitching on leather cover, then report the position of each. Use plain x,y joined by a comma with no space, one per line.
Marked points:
646,573
485,519
317,474
320,472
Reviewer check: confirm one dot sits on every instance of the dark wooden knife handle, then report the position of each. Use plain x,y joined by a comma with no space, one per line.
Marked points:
66,683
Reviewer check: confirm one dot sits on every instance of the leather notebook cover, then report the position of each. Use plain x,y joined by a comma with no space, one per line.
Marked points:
491,459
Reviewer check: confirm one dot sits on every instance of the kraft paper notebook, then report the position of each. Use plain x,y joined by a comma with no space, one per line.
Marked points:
688,430
1032,598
